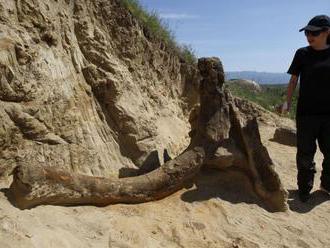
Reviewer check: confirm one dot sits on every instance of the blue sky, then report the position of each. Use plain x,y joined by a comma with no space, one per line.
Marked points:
258,35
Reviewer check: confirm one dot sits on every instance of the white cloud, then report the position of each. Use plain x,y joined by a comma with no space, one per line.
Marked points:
177,16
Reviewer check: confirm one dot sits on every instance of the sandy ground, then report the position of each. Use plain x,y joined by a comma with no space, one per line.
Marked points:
219,210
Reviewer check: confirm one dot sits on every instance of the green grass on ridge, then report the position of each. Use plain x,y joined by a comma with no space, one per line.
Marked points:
159,29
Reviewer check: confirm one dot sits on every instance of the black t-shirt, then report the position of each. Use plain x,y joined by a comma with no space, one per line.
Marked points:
313,67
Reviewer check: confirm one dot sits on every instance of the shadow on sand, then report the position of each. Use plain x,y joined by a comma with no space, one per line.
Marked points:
9,197
230,185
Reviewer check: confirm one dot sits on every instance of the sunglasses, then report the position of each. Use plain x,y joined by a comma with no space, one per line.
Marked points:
313,33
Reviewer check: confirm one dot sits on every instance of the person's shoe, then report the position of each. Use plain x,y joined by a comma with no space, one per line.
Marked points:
304,196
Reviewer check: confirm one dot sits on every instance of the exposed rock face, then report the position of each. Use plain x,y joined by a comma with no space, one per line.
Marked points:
218,127
86,94
83,88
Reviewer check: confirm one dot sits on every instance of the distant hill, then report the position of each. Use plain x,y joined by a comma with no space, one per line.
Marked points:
259,77
270,96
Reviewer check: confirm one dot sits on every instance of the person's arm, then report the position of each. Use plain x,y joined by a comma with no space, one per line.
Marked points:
291,87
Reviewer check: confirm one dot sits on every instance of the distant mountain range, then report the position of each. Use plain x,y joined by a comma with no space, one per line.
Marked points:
259,77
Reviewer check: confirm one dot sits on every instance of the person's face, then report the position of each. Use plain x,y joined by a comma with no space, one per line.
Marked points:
317,38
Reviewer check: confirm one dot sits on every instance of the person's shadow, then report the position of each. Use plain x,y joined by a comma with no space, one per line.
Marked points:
317,198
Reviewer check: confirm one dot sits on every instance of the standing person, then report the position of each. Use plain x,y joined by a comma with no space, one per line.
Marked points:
312,65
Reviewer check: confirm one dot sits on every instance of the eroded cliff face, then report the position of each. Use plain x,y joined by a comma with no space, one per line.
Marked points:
84,87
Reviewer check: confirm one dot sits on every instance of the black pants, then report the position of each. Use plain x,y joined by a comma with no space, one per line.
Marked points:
309,130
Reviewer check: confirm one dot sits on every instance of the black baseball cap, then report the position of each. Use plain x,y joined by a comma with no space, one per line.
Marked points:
317,23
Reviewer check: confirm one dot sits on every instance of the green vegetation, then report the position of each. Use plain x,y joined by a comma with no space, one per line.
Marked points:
159,29
270,97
